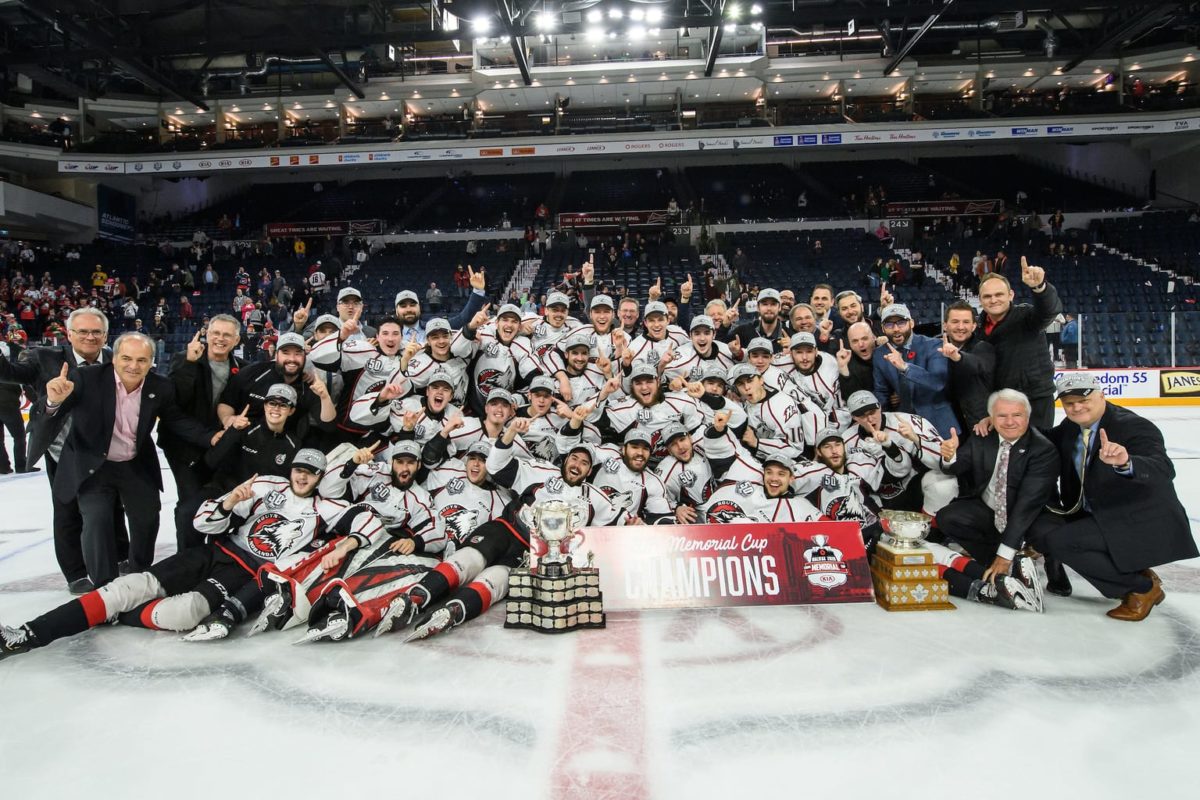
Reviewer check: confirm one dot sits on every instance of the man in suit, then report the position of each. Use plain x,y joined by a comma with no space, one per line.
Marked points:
87,331
912,367
109,453
1005,479
200,375
1118,514
972,362
10,411
1018,335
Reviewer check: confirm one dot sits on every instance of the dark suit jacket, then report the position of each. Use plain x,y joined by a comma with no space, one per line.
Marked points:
1140,516
92,407
926,379
36,367
1022,353
193,394
1032,471
971,381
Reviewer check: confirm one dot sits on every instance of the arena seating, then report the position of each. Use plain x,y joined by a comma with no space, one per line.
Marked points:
1003,176
618,190
479,201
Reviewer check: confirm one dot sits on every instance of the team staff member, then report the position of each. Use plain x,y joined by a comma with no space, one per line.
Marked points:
1018,334
10,413
910,367
971,362
1118,514
87,331
109,452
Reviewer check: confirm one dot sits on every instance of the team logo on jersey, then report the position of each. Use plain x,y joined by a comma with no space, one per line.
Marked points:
653,357
554,485
419,432
492,350
644,415
612,466
274,500
850,508
272,534
376,365
381,492
745,488
456,486
687,478
540,330
824,567
723,512
830,483
279,459
459,521
789,413
487,379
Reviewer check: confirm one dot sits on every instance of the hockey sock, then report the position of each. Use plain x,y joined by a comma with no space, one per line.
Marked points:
958,583
70,618
140,617
438,582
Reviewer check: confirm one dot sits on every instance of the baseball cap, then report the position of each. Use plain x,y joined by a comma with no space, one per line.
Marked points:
577,340
558,299
895,310
405,448
642,370
480,448
781,460
655,307
407,295
349,291
290,340
768,294
437,324
1077,383
584,447
636,434
861,401
673,430
826,434
803,339
701,321
543,383
327,319
508,308
311,459
760,343
281,391
501,395
602,300
713,371
740,371
440,375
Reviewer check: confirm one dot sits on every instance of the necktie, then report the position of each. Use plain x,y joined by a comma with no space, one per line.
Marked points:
1000,488
1081,466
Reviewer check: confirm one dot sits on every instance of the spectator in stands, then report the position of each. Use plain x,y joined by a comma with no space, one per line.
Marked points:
299,248
741,264
1070,341
883,235
99,277
956,277
1054,337
129,313
462,282
1018,334
1056,224
433,298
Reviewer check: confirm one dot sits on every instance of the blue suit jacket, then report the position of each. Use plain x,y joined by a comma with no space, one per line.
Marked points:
924,381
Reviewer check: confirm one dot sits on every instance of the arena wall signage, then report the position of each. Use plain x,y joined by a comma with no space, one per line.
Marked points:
734,564
115,214
779,139
612,219
942,208
356,227
1149,386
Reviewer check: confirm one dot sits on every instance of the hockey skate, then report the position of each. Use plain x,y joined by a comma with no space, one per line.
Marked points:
211,629
334,627
276,610
399,614
1008,592
1025,570
441,620
14,641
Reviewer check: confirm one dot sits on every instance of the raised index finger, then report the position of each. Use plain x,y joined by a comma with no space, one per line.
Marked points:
308,305
1024,263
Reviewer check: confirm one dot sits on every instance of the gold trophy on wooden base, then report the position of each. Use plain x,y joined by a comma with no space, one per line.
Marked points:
903,570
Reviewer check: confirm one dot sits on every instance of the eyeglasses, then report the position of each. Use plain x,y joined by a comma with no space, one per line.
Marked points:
277,404
899,323
87,334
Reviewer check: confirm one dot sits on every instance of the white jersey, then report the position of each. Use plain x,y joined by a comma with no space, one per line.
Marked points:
675,407
746,501
782,415
638,494
729,459
404,512
459,506
368,413
848,495
586,387
687,483
275,525
364,368
819,386
496,365
689,364
545,338
473,431
652,351
422,366
537,481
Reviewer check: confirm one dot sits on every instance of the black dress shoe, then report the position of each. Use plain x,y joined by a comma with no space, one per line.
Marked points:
1057,581
80,586
29,469
6,470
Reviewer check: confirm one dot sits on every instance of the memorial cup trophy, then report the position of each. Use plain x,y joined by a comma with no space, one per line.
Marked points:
903,570
550,594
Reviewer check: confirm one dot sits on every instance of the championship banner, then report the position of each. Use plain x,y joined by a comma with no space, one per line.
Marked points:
612,219
941,208
115,214
734,564
359,227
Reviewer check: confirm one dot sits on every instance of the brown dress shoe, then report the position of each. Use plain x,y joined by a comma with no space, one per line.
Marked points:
1153,576
1135,606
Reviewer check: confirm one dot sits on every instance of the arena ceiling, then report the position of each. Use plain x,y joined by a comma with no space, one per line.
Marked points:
190,51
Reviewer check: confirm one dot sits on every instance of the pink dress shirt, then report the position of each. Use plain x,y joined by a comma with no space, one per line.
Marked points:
123,446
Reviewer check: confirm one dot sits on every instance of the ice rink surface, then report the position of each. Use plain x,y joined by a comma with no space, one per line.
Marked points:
842,701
